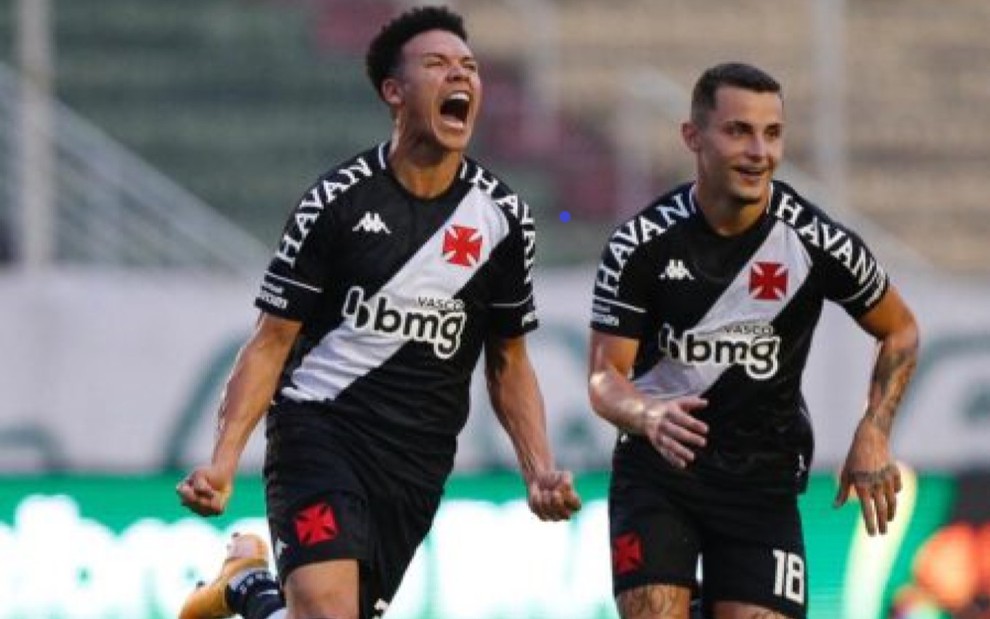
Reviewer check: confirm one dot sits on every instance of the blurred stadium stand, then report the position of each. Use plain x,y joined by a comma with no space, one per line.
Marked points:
112,209
244,102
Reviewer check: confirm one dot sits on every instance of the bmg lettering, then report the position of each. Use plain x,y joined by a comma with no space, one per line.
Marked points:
442,329
755,350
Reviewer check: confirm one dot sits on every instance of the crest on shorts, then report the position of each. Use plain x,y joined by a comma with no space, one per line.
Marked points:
627,553
315,524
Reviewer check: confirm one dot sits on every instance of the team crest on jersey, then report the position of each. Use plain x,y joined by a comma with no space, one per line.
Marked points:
462,245
768,281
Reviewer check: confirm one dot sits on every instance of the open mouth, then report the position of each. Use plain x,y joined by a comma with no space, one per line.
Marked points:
455,108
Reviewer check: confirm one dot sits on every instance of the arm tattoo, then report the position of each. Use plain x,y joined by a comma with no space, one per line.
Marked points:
890,378
872,478
653,601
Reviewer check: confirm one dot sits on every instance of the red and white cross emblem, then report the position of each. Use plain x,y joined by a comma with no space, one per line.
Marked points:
627,553
768,281
462,245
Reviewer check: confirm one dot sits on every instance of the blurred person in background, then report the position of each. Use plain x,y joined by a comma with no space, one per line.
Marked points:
704,308
950,575
393,274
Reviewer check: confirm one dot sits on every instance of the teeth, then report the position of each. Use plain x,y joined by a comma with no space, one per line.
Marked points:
459,96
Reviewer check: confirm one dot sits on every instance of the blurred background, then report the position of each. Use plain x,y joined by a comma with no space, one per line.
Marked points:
150,152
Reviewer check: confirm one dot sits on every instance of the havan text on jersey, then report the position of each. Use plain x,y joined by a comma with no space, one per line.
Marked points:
838,243
635,232
313,204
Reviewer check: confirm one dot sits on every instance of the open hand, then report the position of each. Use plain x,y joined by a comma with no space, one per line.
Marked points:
871,472
673,429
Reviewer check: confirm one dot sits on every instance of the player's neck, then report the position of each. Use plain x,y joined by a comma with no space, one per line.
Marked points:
426,171
725,214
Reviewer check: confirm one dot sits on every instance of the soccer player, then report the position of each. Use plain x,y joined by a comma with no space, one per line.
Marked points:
704,308
396,270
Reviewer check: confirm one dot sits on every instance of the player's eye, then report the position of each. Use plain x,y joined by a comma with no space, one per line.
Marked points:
735,130
433,61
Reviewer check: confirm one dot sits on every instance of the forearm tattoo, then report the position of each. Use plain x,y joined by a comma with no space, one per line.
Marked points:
890,378
872,478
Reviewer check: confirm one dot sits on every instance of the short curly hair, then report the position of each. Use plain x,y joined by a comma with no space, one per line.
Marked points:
385,49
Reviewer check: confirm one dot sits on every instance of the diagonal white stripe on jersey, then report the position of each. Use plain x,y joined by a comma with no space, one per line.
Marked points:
347,353
737,306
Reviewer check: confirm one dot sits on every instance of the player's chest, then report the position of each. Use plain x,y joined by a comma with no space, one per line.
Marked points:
438,241
695,277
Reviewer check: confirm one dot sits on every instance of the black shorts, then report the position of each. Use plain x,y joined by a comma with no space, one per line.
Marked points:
320,506
661,521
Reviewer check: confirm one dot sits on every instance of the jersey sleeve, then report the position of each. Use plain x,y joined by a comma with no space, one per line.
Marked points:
513,306
622,285
294,281
854,278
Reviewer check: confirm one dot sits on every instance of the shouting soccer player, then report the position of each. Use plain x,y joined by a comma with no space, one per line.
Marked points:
396,270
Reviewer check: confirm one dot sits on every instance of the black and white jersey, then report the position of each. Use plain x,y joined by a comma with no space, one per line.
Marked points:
396,296
731,319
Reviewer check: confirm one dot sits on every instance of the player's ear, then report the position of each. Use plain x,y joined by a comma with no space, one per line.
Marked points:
691,135
391,91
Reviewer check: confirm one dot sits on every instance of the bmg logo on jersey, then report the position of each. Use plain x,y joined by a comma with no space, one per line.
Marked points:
752,346
440,327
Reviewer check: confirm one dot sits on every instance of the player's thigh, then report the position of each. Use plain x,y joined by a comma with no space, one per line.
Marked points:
316,517
400,523
742,610
654,540
324,589
757,564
